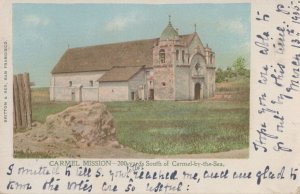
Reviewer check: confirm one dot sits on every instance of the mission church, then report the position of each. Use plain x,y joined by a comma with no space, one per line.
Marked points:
171,67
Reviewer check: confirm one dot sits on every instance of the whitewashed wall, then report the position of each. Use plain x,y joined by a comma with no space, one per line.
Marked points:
61,91
134,83
82,78
113,91
90,93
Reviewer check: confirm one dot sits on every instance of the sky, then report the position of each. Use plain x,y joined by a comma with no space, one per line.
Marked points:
43,32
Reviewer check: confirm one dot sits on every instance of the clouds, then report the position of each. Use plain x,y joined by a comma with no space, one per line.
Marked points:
43,30
235,26
119,23
35,20
34,26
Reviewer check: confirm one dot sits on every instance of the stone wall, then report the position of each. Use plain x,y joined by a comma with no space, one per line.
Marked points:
164,82
182,83
164,72
196,42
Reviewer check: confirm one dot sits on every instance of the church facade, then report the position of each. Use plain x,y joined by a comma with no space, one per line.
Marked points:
171,67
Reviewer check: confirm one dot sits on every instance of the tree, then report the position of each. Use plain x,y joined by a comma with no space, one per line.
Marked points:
237,69
220,76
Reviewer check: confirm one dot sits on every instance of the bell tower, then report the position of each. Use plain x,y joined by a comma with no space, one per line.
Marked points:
164,54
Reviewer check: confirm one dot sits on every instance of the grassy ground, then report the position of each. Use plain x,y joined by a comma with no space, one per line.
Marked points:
28,154
169,127
166,127
42,107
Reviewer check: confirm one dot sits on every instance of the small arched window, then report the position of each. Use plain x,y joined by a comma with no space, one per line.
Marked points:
177,55
182,55
162,56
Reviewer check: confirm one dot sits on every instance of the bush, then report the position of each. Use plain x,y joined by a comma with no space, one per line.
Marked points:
237,69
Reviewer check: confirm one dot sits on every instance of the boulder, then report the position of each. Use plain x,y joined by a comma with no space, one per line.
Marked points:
85,124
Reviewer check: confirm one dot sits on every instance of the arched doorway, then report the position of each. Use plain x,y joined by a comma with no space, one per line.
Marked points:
197,91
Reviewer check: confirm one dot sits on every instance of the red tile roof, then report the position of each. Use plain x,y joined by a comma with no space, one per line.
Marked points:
117,74
104,57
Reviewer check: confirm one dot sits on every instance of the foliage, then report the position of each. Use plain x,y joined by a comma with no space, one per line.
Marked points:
237,69
238,88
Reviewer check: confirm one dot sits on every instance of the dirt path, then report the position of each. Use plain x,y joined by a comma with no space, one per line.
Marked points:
109,152
29,142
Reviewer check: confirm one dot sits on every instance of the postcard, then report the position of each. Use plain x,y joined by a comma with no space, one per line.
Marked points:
150,97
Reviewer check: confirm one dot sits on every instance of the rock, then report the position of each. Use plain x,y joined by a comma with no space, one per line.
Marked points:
115,144
88,123
43,138
83,129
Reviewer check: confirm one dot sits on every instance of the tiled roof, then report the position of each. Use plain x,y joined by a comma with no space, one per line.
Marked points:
104,57
119,74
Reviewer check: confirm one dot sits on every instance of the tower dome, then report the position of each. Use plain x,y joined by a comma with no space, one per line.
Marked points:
169,32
